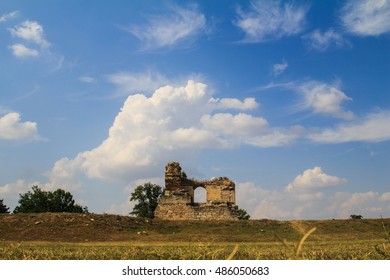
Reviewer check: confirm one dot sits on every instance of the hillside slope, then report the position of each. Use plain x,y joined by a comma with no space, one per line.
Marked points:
67,227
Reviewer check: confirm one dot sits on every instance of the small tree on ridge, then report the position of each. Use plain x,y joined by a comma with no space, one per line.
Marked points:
146,196
3,208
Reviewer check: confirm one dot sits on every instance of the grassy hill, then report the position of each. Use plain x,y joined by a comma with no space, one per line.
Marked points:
93,236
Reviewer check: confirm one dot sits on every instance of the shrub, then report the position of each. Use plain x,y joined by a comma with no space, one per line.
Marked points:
39,201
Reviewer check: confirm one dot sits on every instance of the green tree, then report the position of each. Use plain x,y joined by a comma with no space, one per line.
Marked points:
38,201
146,196
356,217
243,215
3,208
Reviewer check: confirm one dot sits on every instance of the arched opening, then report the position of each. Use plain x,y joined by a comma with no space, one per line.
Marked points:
200,195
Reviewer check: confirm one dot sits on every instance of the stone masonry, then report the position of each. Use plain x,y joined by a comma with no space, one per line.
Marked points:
177,201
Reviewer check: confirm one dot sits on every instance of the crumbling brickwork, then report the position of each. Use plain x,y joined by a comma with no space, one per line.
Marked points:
177,201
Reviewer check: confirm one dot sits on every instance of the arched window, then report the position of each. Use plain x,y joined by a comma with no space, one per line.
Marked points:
200,195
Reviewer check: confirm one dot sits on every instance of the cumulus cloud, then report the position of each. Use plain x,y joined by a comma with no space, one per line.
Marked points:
385,197
11,128
20,50
30,31
368,204
174,122
325,99
315,178
322,41
240,124
180,27
9,16
15,188
366,17
266,20
282,204
279,68
372,128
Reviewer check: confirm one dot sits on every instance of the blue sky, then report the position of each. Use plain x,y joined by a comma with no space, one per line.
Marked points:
290,99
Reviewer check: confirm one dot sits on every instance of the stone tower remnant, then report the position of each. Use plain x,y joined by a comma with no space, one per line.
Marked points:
177,201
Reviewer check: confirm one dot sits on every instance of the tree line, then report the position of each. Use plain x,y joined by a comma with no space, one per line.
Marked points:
40,201
37,200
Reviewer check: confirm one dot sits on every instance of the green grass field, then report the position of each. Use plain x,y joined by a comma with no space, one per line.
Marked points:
110,237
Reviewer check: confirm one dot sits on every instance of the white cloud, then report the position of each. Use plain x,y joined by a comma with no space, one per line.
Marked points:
194,137
281,204
315,178
270,19
13,189
368,204
366,17
20,50
322,41
87,79
237,125
173,123
30,31
12,128
180,26
234,103
279,68
385,197
325,99
9,16
145,134
372,128
276,137
129,82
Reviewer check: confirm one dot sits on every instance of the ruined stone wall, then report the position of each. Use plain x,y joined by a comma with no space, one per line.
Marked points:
196,212
177,201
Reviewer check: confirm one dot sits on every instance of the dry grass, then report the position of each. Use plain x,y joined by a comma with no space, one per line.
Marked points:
108,237
312,250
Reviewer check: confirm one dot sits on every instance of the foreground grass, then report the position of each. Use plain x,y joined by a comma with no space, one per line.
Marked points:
314,250
64,236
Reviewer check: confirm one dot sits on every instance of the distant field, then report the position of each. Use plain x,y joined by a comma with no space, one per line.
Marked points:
92,236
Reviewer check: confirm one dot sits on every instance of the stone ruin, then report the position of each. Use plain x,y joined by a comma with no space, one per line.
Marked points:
177,201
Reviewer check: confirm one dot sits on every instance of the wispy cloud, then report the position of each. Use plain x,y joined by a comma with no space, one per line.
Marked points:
179,27
324,99
279,68
266,20
87,79
366,17
9,16
322,41
372,128
20,50
30,31
133,82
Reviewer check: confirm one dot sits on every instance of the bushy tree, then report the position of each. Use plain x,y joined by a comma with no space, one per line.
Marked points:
243,215
356,217
38,201
146,196
3,208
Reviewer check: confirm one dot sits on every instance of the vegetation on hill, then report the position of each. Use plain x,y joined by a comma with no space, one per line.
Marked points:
146,196
3,208
38,201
